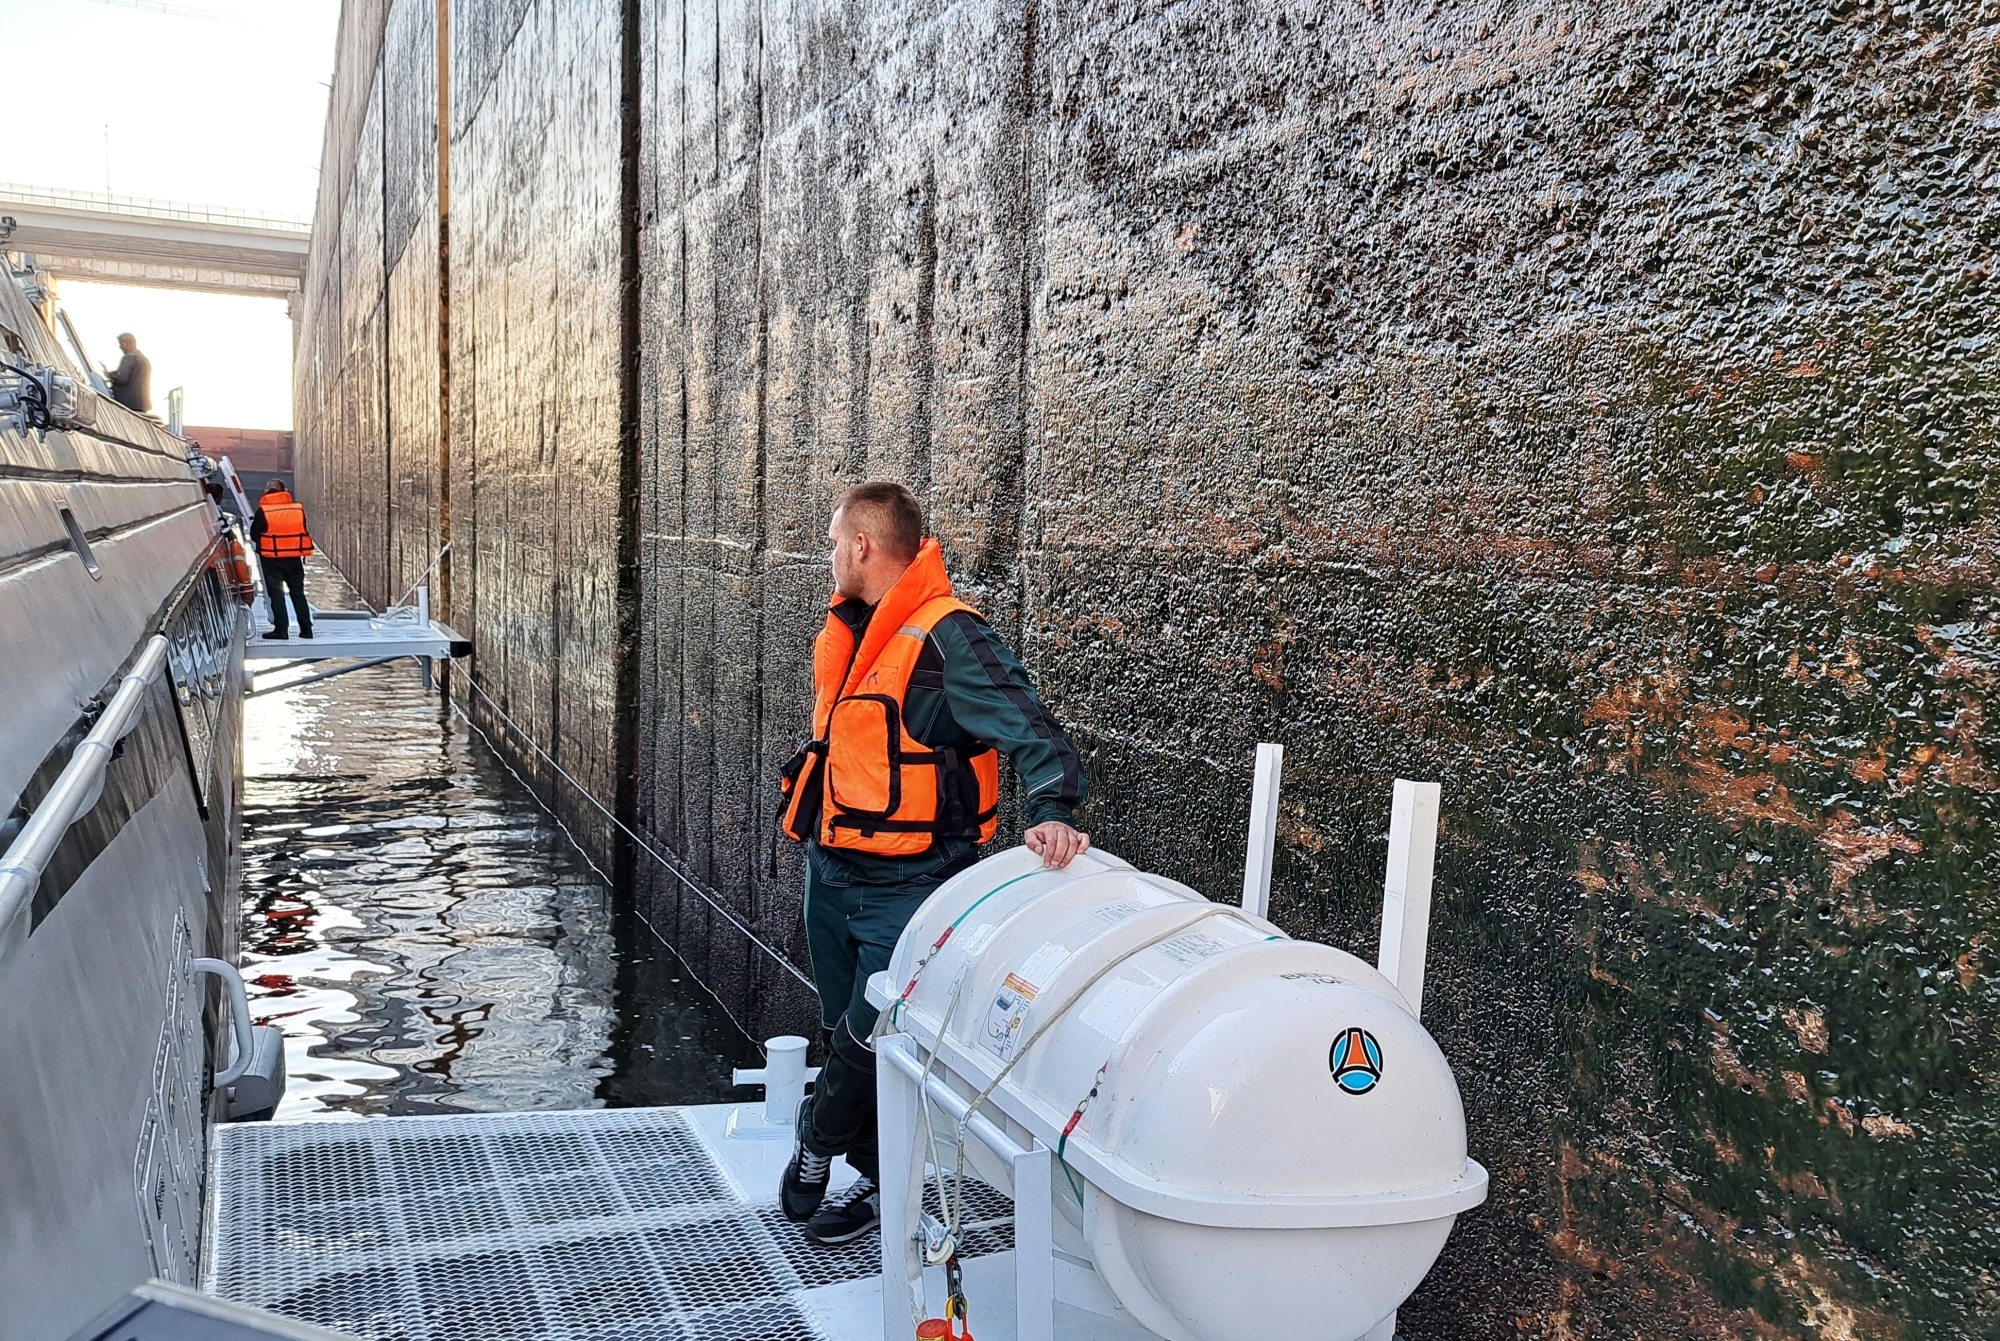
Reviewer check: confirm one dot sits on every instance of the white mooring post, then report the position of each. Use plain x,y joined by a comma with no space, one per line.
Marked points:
1406,891
783,1075
1269,768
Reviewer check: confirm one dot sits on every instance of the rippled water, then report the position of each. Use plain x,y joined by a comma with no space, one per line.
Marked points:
427,937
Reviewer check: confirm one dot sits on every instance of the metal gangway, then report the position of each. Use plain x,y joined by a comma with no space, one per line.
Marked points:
358,639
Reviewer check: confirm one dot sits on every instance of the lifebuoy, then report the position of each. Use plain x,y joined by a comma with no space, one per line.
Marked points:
238,569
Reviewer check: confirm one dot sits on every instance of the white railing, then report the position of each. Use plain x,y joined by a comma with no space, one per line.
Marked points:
97,202
75,791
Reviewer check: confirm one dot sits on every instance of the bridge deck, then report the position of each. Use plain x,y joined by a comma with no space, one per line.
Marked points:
119,239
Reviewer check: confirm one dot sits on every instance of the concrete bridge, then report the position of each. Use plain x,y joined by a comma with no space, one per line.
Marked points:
125,240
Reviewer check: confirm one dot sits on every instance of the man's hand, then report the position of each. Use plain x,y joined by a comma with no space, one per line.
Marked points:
1056,844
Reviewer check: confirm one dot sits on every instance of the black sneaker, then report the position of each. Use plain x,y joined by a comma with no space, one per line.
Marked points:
850,1214
804,1184
277,637
306,634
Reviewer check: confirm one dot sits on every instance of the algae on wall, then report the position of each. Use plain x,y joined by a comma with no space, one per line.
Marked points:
1586,407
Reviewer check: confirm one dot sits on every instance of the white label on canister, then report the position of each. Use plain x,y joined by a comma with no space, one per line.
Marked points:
1119,911
1192,948
1003,1017
1043,963
1115,1004
1010,1004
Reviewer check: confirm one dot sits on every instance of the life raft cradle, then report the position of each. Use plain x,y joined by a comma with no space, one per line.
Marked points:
918,1070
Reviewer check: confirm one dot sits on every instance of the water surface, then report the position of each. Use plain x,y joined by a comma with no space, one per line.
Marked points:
427,936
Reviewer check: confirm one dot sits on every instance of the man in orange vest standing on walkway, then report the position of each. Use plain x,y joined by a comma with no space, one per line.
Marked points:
915,700
279,528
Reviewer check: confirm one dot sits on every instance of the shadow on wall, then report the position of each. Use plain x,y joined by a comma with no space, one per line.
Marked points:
1589,410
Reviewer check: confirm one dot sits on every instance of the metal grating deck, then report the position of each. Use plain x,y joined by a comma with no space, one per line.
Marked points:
586,1225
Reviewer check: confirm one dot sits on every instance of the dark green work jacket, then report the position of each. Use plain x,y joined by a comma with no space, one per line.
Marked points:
967,687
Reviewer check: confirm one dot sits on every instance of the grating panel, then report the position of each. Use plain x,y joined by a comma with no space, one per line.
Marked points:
365,1303
986,1220
761,1320
588,1225
818,1263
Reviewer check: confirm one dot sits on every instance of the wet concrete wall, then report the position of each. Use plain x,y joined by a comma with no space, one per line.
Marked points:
1590,409
1587,407
535,389
367,358
332,363
513,455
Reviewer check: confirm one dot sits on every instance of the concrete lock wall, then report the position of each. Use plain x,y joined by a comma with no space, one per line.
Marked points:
1587,407
512,450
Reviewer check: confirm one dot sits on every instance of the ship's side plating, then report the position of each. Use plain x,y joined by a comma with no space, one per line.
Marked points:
107,1042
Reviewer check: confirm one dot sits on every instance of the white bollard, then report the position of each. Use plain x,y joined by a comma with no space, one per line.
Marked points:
783,1075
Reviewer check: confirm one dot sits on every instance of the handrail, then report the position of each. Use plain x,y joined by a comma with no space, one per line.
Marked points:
239,1016
954,1104
172,210
75,791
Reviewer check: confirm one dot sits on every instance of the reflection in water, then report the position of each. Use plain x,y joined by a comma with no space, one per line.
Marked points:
427,937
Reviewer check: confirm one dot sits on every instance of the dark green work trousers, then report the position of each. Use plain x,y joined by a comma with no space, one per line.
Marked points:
852,931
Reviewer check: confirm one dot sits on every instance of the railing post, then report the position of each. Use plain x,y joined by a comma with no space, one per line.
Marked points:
1034,1245
896,1100
1406,889
1263,829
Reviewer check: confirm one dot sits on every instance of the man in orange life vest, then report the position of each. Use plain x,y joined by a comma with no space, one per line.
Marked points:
915,699
279,528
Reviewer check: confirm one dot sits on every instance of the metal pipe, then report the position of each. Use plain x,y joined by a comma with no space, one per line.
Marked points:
75,791
952,1102
325,675
239,1015
264,668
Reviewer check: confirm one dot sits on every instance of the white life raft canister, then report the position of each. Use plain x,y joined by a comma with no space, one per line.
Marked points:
1275,1146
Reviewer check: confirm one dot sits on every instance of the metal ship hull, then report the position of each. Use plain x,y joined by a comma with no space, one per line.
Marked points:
108,541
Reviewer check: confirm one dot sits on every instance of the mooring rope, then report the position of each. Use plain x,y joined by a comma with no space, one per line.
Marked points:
668,866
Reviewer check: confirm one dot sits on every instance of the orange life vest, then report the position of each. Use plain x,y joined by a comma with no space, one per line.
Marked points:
284,528
864,783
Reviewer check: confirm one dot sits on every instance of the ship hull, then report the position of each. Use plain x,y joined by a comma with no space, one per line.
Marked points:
107,539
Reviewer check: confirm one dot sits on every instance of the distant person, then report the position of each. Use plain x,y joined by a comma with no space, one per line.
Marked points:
132,379
279,528
897,648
